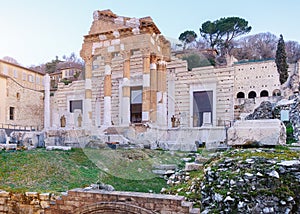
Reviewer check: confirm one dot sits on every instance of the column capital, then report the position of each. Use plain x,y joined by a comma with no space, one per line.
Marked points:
87,58
153,58
162,65
145,52
126,54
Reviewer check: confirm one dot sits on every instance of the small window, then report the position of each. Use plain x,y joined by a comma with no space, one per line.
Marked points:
37,80
18,96
264,93
5,70
11,113
30,78
15,74
24,76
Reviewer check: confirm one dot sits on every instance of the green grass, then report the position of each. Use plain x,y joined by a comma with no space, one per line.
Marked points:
57,171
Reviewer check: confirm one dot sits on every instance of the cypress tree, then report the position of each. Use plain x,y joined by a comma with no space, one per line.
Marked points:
282,66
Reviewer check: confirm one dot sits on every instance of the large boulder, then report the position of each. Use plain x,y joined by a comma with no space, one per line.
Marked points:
257,132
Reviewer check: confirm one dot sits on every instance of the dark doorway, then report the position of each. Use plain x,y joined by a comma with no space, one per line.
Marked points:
240,95
264,93
251,94
202,102
136,104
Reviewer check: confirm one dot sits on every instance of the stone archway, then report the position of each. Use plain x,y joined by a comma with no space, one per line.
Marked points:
112,208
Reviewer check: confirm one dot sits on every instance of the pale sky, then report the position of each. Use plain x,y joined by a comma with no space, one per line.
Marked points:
35,31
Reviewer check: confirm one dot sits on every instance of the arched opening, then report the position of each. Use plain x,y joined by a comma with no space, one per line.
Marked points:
252,94
240,95
264,93
276,93
111,208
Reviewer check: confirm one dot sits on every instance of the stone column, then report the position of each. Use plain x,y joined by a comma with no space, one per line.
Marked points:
47,102
161,94
107,92
153,88
87,104
146,87
171,97
125,108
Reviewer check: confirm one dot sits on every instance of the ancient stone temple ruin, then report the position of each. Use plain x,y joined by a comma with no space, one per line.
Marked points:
125,77
134,90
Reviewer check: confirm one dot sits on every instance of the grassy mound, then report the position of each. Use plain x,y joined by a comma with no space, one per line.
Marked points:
56,171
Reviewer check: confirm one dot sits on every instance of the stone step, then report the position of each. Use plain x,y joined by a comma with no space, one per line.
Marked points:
165,166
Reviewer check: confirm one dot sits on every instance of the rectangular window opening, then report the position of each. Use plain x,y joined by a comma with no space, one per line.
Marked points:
75,104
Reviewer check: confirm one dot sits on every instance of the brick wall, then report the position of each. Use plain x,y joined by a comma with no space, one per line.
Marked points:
97,201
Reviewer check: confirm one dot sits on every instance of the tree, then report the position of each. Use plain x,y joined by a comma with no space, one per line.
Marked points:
11,60
280,60
257,46
292,51
220,33
195,60
187,37
210,33
231,28
51,66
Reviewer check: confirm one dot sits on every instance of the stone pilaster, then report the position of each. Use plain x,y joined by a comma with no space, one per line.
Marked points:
153,88
146,87
87,104
47,102
125,107
107,92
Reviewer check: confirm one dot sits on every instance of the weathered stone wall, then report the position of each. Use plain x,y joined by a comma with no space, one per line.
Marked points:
22,89
25,203
3,101
96,201
28,105
257,77
219,80
60,103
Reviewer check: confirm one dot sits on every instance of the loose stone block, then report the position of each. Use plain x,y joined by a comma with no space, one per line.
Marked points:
263,132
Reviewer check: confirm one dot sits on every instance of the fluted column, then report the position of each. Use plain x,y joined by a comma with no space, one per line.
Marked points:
87,104
161,97
107,92
125,107
153,88
146,87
